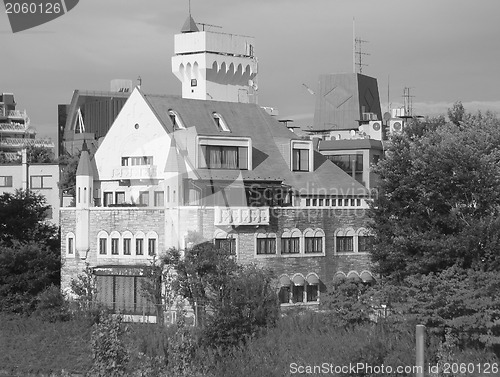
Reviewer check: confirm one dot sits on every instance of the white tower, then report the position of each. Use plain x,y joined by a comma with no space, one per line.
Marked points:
215,66
84,187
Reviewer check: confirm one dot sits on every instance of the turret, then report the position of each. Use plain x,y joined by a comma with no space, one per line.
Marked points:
83,189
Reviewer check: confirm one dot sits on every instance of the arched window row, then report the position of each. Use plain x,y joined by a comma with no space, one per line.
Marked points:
364,276
299,289
226,241
291,242
126,244
348,240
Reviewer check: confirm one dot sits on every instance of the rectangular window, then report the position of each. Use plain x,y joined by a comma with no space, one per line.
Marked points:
119,197
314,244
345,244
127,246
159,199
290,245
70,245
39,181
223,157
308,202
139,246
300,160
144,198
114,246
124,161
284,295
6,181
102,246
227,244
108,199
312,292
327,202
298,293
266,246
365,243
137,161
350,163
152,246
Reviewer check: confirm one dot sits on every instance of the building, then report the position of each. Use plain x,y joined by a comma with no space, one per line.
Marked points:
225,169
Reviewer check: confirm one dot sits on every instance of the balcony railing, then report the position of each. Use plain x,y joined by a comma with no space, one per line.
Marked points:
16,114
135,172
241,216
15,142
12,127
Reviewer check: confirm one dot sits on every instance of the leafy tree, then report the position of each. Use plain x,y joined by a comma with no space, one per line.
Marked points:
23,217
67,181
26,270
39,154
439,198
456,113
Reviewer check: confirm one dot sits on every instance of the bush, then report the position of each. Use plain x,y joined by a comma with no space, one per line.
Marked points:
52,306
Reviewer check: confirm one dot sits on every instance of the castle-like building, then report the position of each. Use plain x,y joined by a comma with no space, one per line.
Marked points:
215,163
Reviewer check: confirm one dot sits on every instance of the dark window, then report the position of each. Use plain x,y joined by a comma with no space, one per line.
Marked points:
223,157
344,244
159,199
300,160
312,292
314,244
127,243
290,245
152,246
227,244
298,293
266,245
114,246
6,181
139,244
365,243
70,245
102,246
348,162
284,295
108,199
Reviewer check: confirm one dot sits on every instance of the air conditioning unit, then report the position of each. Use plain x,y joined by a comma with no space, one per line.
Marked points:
375,130
395,126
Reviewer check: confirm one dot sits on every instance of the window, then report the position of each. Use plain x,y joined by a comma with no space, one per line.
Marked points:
266,246
159,199
313,244
220,123
300,159
152,246
127,244
175,118
144,198
139,246
284,295
345,244
102,246
365,243
227,244
137,161
298,293
40,181
290,245
108,199
71,246
119,197
350,163
5,181
223,157
114,246
312,292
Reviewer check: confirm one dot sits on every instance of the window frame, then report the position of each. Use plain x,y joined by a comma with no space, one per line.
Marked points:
7,181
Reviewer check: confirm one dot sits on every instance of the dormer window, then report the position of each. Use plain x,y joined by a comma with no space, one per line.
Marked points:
301,159
220,122
176,120
224,152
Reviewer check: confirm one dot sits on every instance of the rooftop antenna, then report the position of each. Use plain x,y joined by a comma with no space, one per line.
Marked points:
388,95
210,25
408,102
140,81
357,50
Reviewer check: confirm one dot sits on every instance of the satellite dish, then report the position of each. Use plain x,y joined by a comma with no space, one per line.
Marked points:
387,116
376,126
397,126
353,132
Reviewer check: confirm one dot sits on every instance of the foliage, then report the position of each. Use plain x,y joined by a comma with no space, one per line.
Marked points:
39,155
439,197
67,180
26,270
108,347
23,217
51,305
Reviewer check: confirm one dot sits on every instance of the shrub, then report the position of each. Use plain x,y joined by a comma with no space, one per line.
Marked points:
52,306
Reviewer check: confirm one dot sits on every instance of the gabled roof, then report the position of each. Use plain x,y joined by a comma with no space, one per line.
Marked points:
269,142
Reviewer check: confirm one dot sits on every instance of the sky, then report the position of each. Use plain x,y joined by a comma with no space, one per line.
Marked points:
443,50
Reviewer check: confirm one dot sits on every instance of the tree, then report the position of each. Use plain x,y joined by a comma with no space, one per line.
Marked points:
39,155
439,198
23,217
67,181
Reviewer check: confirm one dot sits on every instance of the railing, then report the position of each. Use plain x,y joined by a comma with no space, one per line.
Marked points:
241,215
137,172
16,127
16,114
19,142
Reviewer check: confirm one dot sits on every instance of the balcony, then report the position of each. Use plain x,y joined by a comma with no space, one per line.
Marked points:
135,172
16,114
241,216
12,127
20,143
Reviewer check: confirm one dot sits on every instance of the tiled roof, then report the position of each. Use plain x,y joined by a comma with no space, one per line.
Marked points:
269,161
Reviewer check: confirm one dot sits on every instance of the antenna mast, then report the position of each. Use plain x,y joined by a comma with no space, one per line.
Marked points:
408,102
357,51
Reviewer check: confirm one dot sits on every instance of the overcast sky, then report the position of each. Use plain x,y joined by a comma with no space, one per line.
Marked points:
444,50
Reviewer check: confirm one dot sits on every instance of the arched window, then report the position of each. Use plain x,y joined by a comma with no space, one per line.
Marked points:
70,244
102,243
344,240
127,243
290,241
115,243
152,238
314,241
312,288
139,244
226,241
265,243
364,240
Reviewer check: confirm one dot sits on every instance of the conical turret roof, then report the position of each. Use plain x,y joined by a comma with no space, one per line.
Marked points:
189,26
